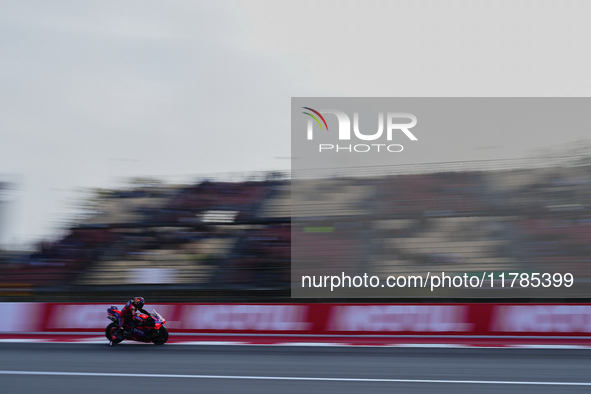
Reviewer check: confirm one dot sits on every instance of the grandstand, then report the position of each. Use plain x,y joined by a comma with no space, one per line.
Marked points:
383,223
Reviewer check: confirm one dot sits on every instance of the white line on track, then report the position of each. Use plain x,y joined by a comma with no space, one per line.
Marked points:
313,344
23,340
206,343
267,335
431,345
104,341
292,378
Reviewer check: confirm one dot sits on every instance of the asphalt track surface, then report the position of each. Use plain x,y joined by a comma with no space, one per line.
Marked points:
140,368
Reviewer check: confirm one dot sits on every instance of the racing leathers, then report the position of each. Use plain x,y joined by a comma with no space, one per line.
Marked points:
128,318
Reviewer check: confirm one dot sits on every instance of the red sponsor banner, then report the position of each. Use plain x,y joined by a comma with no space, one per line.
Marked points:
541,319
320,319
246,318
399,319
21,316
76,317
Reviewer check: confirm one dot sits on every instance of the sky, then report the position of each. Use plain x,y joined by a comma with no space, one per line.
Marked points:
96,92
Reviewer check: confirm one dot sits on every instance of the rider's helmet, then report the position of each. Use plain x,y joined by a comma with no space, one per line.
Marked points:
139,302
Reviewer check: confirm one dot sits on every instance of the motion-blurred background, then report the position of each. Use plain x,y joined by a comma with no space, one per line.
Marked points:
145,151
226,240
144,146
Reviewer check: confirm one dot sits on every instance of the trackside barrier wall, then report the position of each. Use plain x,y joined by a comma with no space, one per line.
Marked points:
318,319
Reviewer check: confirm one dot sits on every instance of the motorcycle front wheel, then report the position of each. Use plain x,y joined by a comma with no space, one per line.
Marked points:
160,336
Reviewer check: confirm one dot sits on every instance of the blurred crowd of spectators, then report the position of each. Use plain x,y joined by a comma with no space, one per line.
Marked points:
57,263
244,198
455,192
547,219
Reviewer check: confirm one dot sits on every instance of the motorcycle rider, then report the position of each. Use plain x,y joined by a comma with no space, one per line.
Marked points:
128,318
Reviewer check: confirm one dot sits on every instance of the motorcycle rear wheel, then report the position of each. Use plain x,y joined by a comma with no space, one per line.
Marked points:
160,336
112,330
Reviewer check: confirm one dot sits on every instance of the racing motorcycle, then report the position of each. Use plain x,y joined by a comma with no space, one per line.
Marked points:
150,328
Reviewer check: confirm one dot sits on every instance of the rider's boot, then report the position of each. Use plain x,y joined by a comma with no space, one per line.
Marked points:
119,334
